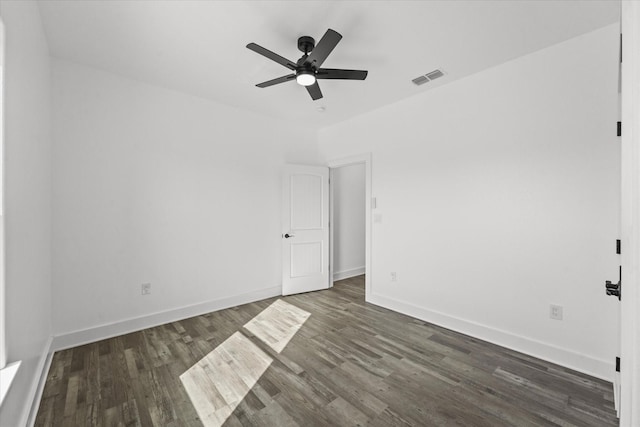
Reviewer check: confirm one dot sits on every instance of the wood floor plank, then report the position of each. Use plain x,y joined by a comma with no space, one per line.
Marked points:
317,359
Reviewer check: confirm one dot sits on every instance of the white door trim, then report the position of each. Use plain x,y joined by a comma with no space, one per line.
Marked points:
630,327
348,161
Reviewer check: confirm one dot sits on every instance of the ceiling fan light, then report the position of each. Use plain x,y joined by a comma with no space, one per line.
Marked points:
305,78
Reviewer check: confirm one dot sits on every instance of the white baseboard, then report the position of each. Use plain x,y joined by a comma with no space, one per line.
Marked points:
37,386
109,330
345,274
591,366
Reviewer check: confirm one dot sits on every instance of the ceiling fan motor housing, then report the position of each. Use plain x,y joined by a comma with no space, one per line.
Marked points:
306,45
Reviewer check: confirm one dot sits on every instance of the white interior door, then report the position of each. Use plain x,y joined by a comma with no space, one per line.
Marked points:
305,229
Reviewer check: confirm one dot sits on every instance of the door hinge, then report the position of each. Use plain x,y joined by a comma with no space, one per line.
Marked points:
621,48
614,289
617,364
618,247
619,133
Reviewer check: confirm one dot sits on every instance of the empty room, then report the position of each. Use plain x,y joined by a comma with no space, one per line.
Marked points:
319,213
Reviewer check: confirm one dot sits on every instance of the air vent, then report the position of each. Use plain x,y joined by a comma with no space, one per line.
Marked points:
435,74
420,80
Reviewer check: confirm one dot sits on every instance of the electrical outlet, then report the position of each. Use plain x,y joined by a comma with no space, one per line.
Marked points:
394,276
555,312
145,288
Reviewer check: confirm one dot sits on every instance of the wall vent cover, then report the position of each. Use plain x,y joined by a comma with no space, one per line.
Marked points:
425,78
435,74
420,80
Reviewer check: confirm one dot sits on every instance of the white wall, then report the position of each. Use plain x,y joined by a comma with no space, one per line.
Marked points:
27,202
348,221
498,195
154,186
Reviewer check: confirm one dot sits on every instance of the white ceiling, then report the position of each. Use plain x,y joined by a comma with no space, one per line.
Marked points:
198,47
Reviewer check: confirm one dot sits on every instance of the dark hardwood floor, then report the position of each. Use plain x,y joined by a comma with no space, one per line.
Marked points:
350,363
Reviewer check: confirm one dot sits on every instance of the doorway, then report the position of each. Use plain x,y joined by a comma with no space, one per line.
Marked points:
350,219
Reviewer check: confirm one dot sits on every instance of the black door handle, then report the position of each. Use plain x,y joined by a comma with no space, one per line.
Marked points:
286,236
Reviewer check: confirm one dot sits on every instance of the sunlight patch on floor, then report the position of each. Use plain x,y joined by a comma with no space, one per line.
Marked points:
277,324
220,381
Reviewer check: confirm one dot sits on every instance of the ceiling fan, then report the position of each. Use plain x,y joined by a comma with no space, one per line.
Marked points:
307,69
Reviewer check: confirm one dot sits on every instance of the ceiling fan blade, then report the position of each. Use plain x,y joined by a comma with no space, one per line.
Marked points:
279,80
324,47
333,73
272,56
314,91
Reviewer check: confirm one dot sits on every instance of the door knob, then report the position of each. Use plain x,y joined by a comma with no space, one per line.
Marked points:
286,236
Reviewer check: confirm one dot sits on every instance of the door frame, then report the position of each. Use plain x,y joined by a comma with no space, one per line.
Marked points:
630,218
349,161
